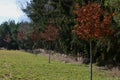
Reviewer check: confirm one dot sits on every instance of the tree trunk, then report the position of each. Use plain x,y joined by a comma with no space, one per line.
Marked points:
90,60
49,51
49,57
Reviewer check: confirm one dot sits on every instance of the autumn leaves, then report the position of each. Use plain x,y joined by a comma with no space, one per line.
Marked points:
92,21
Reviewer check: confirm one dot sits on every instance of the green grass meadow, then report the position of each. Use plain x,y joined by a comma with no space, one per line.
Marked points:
19,65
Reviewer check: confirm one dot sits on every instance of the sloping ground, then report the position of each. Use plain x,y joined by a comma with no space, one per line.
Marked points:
18,65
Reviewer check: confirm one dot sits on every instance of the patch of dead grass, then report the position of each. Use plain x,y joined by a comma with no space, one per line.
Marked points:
115,72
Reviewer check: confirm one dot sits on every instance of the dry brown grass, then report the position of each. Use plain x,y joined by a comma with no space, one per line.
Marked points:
115,72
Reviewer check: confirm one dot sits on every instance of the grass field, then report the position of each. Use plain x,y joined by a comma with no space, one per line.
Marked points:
18,65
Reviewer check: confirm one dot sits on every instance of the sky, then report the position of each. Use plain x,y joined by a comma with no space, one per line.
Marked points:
10,10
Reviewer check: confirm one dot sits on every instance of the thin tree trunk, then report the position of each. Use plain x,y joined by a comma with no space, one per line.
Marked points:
49,57
90,60
50,45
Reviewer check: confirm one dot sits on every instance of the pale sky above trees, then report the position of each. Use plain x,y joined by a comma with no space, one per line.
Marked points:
10,10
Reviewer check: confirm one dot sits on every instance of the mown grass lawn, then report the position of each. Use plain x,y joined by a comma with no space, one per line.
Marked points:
18,65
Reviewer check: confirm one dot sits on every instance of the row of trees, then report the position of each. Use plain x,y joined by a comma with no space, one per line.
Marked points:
23,36
52,25
14,35
61,14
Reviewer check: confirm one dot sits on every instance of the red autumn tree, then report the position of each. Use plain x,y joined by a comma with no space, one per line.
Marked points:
36,36
50,34
92,23
7,38
21,35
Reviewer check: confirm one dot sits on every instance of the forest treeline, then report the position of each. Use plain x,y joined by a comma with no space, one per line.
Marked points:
52,22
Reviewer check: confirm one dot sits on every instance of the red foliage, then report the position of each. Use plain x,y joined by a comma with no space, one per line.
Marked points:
36,36
21,35
7,38
93,22
51,33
